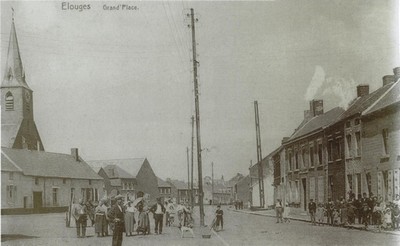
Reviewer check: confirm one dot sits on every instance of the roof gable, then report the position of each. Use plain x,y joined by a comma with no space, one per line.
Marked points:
131,166
46,164
114,171
162,183
318,123
391,96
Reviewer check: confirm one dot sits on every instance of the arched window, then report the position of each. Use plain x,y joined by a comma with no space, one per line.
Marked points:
9,101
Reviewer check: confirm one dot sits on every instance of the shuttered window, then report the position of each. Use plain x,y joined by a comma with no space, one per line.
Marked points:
9,101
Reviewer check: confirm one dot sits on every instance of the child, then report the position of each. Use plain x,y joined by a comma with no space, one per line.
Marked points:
220,219
387,218
286,212
320,214
336,217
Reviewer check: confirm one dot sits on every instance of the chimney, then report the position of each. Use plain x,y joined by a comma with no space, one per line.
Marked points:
362,90
284,140
387,79
74,153
396,72
316,107
307,115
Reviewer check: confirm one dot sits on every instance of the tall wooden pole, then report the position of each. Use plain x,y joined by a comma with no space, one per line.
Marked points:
188,190
191,181
212,183
197,110
259,156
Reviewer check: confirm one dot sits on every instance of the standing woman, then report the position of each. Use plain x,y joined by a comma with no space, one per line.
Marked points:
101,225
129,218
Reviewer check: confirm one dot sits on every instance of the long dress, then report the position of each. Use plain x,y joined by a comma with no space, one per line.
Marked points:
143,223
129,220
101,224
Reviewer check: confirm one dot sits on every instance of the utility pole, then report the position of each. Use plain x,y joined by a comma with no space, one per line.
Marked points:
197,109
188,191
191,181
212,183
259,156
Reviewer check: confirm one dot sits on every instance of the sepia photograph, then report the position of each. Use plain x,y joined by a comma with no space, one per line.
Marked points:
180,122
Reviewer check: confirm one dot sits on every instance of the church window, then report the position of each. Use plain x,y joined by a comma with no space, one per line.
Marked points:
9,101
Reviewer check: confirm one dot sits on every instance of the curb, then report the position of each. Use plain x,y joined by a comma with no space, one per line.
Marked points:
304,220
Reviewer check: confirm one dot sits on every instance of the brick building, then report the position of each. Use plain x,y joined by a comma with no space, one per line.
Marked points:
144,178
165,189
380,144
118,181
306,162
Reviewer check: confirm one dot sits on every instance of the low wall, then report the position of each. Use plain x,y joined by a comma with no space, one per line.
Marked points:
12,211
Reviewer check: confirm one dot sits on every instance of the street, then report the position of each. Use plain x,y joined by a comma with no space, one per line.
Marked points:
239,229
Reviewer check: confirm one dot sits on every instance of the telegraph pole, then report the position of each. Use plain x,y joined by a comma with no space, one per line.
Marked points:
197,109
259,156
191,181
212,183
187,154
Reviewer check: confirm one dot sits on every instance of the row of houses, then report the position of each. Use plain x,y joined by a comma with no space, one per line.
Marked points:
334,155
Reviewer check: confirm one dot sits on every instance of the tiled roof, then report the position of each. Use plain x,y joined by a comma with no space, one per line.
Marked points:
318,122
46,164
180,185
114,171
392,96
131,165
362,103
162,183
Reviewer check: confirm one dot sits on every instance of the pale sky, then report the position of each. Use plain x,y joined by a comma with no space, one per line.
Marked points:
119,84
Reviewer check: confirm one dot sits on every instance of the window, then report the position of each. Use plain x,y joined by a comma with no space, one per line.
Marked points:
312,155
55,196
11,193
304,157
385,137
357,121
90,181
9,101
11,176
296,160
348,140
290,161
350,182
72,193
320,154
368,177
330,150
358,144
64,181
338,149
348,124
130,186
36,181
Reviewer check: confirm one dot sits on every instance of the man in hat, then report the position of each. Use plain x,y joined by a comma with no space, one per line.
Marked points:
116,215
79,212
158,210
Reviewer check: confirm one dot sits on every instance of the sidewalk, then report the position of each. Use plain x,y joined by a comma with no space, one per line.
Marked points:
301,215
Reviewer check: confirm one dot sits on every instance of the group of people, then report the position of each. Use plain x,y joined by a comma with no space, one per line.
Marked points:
364,210
114,216
238,204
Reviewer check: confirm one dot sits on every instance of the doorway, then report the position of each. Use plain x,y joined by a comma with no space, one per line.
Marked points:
37,200
304,183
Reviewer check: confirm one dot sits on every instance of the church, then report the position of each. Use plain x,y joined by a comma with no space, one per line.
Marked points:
33,180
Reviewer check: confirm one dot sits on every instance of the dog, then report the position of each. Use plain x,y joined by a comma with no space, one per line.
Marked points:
186,229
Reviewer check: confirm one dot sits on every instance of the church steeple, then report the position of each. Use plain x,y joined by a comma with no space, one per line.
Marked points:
18,128
14,74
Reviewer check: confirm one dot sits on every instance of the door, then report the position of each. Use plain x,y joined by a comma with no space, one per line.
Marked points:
37,199
304,183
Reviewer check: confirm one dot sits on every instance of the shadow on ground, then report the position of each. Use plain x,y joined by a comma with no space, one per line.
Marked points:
8,237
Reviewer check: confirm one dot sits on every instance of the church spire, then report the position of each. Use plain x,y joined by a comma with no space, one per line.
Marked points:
14,74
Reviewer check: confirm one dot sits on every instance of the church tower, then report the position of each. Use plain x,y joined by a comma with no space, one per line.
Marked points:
18,128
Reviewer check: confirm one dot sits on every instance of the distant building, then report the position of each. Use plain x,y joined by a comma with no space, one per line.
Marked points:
165,189
126,172
33,180
181,191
